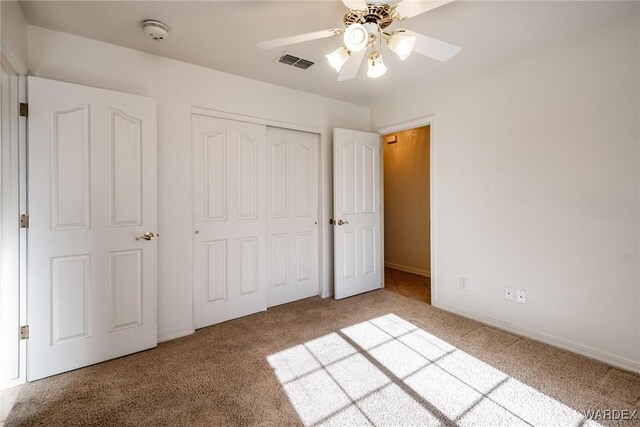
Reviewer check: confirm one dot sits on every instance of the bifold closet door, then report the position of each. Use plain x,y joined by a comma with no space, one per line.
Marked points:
230,223
293,215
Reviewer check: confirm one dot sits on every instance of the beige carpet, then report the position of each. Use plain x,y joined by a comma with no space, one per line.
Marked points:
375,359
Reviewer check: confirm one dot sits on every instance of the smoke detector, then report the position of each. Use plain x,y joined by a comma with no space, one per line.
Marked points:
155,29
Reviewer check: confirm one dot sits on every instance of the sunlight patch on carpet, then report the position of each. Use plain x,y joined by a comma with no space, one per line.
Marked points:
388,372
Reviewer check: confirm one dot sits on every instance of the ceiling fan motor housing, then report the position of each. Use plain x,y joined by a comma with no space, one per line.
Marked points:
380,14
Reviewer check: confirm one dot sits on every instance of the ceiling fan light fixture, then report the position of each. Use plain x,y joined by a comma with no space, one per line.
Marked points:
338,57
401,45
356,37
376,66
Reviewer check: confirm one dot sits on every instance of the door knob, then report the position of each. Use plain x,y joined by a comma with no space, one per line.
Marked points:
341,222
146,236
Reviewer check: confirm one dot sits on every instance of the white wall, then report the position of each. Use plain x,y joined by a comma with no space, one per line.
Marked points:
537,186
13,32
177,87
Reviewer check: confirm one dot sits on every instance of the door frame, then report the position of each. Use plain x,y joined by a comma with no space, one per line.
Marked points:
218,114
399,127
19,138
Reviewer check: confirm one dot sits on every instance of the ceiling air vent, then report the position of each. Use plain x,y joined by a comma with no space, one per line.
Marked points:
296,61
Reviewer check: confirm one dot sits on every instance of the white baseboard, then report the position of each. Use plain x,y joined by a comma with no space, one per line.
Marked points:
172,334
611,359
406,269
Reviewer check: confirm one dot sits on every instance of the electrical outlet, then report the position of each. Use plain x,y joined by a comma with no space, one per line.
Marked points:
508,293
521,296
463,283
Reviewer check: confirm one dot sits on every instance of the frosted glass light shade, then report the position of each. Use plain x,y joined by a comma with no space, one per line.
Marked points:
356,37
338,57
402,45
376,66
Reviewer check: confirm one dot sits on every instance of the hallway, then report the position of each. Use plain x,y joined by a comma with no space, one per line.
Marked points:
408,284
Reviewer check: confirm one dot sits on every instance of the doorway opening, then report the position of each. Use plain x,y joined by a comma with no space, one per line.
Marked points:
407,231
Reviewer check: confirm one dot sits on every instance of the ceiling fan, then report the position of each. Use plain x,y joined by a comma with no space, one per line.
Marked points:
366,30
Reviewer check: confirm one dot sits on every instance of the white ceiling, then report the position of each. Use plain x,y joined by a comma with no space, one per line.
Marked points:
222,35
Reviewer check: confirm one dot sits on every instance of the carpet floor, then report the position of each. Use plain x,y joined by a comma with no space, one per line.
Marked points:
375,359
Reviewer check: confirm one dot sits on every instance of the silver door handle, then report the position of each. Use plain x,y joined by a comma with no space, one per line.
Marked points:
341,222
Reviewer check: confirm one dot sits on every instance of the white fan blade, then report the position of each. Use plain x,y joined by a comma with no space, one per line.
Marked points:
356,4
411,8
433,48
285,41
350,69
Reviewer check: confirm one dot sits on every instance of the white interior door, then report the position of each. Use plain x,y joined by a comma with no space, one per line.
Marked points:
293,215
230,226
92,191
357,216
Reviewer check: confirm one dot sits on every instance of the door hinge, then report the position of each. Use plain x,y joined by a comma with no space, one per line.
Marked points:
24,109
24,332
24,221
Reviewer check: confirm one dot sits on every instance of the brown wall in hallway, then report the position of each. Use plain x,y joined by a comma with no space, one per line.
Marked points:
406,200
